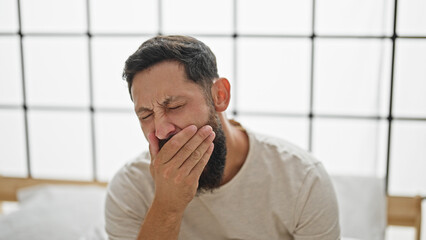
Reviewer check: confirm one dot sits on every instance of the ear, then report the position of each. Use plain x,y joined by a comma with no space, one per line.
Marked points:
221,93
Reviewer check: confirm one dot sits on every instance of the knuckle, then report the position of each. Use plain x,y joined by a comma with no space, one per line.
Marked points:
204,134
178,179
186,149
189,182
196,154
174,143
167,173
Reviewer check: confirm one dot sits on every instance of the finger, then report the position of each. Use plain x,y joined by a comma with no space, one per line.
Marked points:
175,143
199,167
196,155
153,145
190,148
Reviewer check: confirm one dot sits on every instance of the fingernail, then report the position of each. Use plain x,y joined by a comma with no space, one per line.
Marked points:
208,128
193,127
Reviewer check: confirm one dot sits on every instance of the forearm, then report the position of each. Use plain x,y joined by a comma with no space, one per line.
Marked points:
159,224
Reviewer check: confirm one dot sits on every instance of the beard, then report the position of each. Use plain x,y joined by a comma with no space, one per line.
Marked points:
212,175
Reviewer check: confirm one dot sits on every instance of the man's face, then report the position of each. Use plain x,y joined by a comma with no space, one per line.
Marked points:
166,102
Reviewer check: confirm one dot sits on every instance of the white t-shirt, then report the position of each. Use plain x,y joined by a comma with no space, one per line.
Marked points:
280,192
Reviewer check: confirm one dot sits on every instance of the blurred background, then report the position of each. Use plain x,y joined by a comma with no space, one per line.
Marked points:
345,80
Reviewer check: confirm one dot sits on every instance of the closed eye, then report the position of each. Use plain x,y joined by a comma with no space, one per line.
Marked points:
147,116
176,107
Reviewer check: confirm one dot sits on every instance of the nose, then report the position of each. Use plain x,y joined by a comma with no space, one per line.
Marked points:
163,128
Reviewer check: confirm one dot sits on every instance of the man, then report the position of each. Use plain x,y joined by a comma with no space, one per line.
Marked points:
206,177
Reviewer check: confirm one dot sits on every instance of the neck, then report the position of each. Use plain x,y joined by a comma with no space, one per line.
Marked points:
237,145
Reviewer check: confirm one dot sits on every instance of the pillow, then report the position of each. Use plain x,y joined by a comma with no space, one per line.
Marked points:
54,212
362,206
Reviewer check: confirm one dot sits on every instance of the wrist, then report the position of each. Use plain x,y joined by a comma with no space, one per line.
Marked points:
159,223
169,214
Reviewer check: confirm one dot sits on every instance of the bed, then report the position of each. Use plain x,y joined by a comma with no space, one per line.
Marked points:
58,209
52,209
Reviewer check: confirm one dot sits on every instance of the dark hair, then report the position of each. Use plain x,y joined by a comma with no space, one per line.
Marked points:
197,58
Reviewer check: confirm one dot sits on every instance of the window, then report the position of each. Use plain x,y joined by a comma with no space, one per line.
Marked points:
335,77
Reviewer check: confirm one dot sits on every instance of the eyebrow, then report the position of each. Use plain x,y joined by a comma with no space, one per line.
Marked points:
165,103
168,100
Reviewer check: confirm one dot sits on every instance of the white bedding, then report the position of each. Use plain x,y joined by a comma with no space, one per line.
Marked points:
362,206
76,212
55,212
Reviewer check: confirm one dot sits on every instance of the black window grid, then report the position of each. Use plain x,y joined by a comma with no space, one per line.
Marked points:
311,115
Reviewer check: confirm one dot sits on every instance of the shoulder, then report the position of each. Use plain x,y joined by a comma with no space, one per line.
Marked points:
301,180
279,152
294,170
